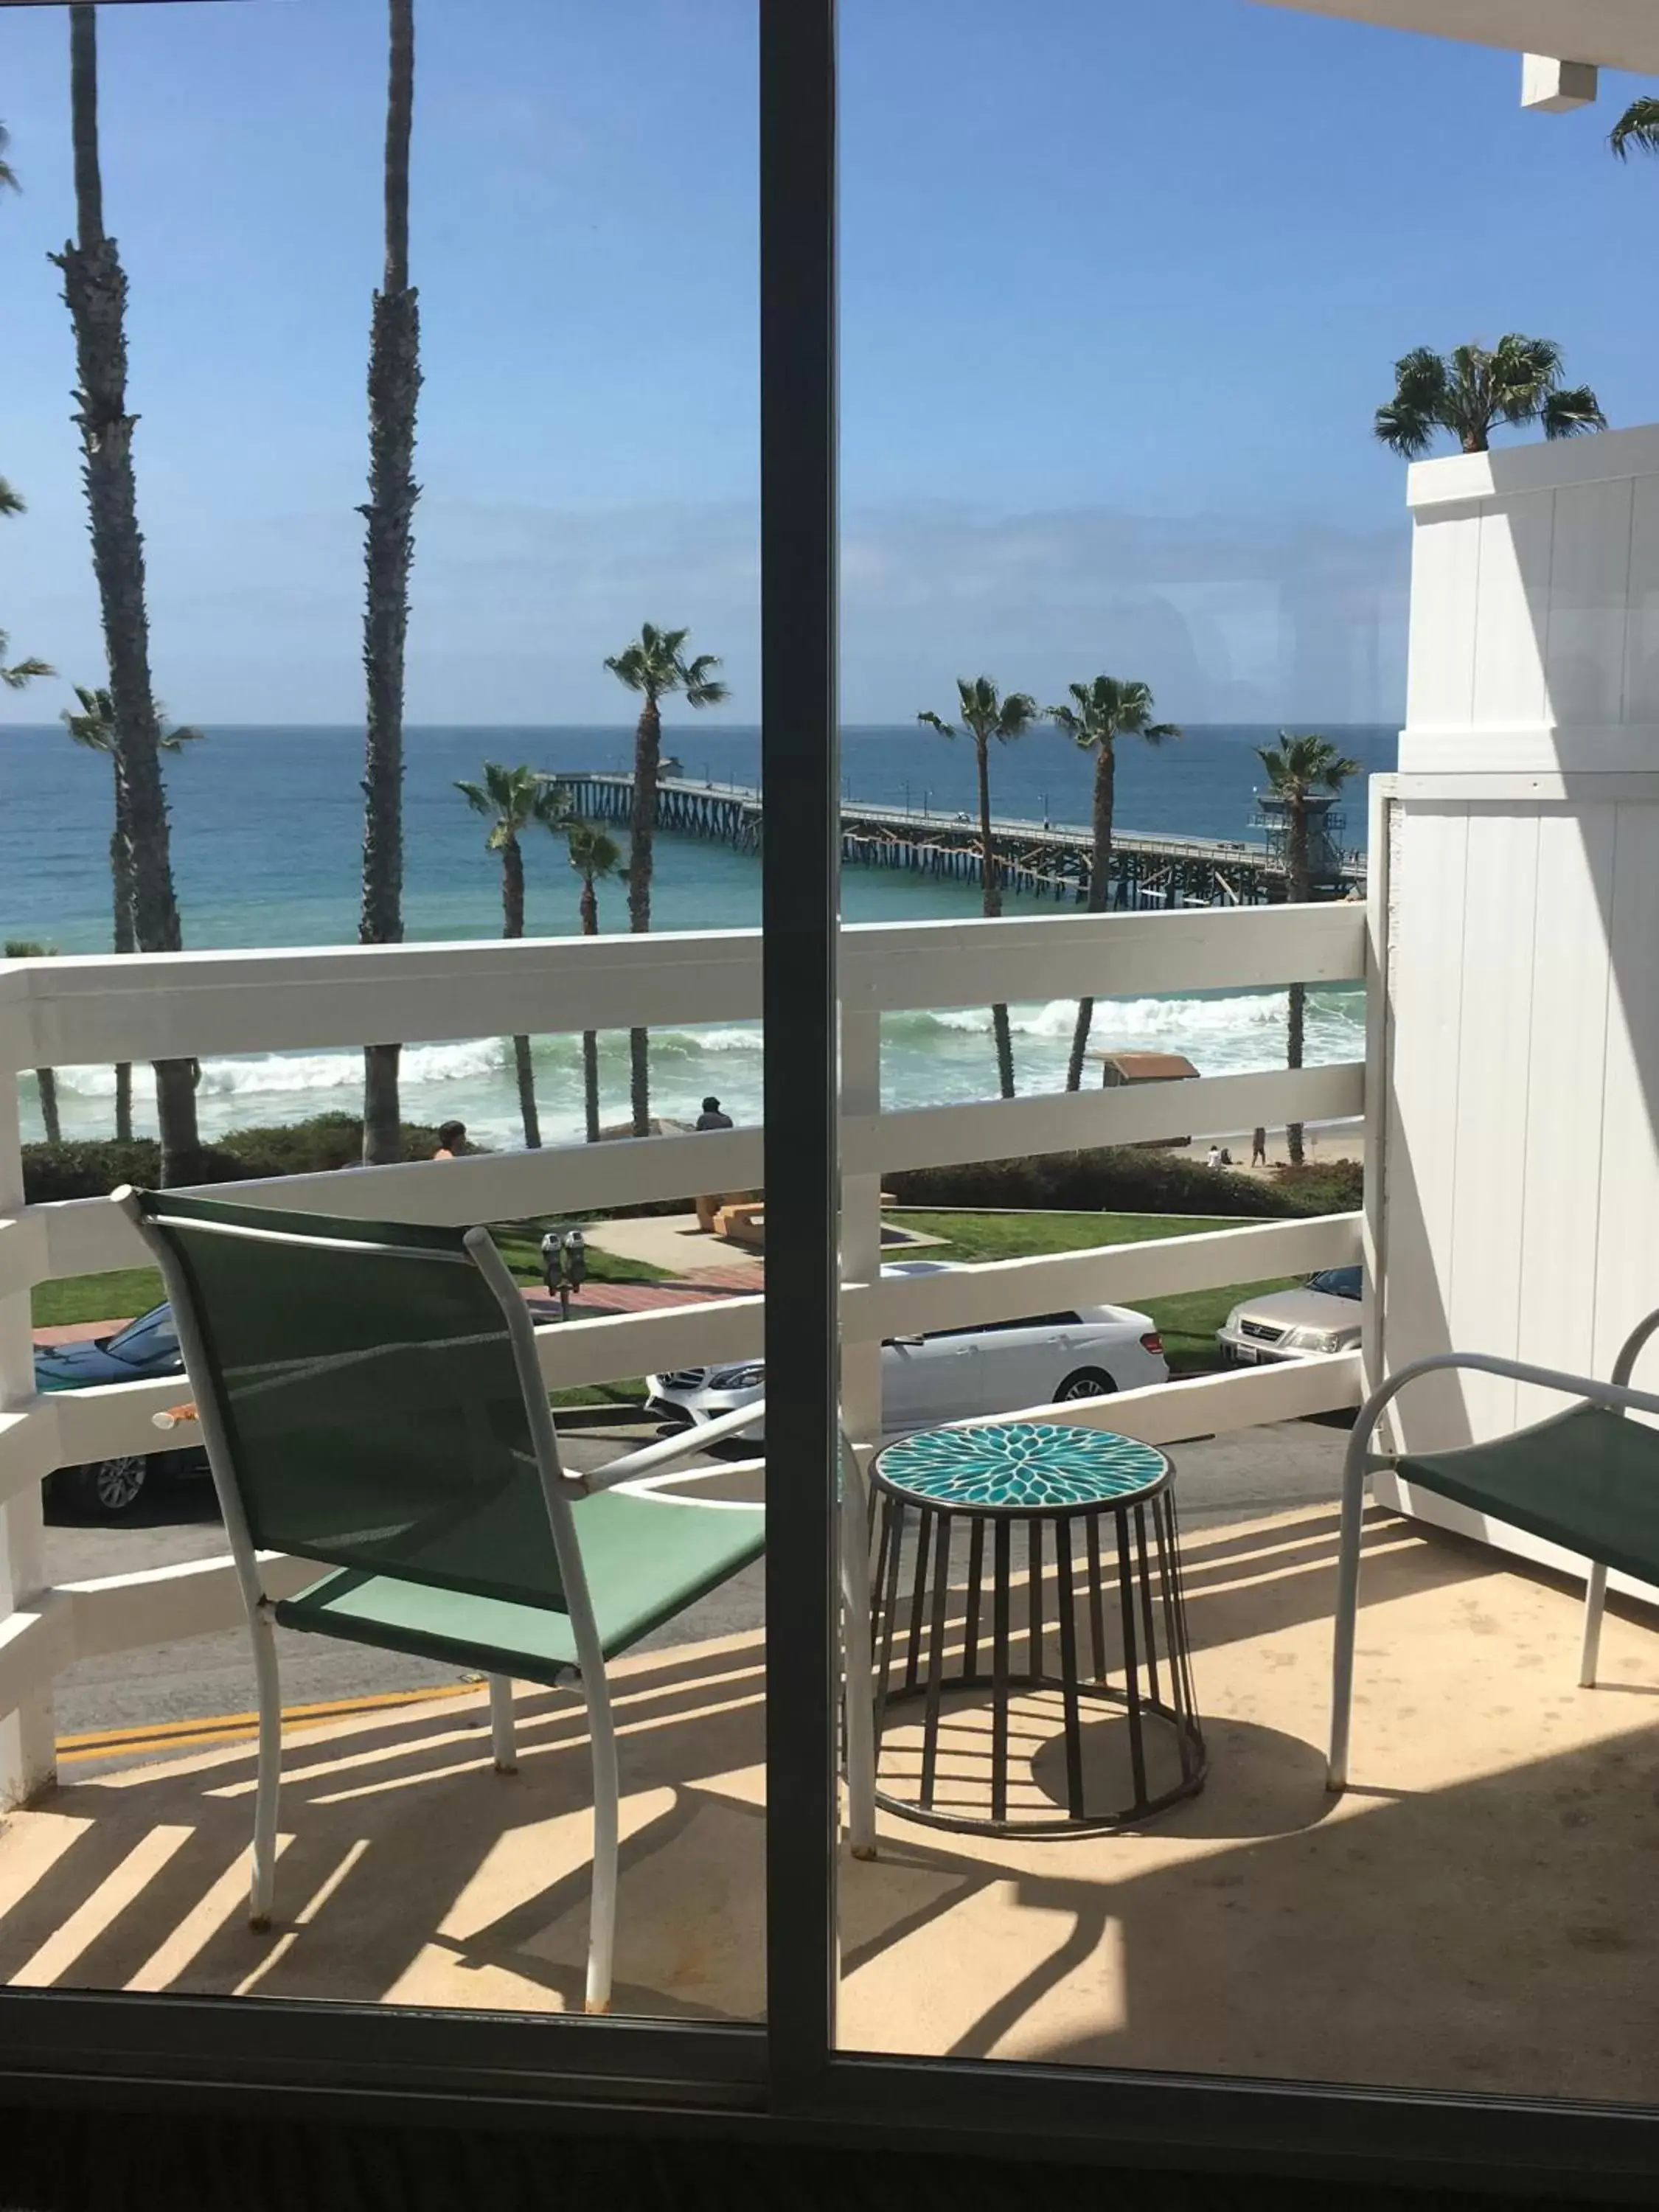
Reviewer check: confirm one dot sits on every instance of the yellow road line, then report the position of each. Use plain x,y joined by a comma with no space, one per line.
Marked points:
110,1743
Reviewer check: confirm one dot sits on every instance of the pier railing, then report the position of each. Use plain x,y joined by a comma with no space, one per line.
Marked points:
76,1011
1046,859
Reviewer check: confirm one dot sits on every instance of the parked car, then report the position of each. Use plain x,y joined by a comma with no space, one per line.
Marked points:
111,1489
1323,1316
991,1368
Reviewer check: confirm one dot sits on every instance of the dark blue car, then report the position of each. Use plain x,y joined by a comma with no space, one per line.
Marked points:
111,1489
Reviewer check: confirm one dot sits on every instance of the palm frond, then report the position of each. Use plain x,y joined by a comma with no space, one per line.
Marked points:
1637,127
11,503
24,671
593,851
937,722
1570,413
8,174
476,797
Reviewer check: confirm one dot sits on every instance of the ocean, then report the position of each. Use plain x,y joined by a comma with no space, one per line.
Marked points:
267,837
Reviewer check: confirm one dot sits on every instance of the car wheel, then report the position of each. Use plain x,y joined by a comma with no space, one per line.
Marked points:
1087,1382
111,1489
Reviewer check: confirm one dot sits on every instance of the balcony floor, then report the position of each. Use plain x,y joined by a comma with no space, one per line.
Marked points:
1476,1914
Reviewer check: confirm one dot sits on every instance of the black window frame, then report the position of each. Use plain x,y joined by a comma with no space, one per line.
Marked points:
789,2075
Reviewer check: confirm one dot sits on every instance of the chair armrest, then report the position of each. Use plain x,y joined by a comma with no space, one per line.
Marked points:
669,1449
1623,1366
1588,1387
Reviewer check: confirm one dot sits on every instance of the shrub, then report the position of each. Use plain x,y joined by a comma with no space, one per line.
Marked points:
1119,1179
93,1169
1323,1186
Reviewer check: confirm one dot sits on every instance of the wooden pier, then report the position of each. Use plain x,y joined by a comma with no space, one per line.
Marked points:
1041,859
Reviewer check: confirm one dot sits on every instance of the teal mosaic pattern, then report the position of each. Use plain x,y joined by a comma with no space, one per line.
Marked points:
1019,1466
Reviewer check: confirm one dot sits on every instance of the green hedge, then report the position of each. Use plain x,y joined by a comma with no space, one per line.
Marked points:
1124,1180
93,1169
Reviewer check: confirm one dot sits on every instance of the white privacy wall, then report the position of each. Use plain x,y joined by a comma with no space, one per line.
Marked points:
1517,1190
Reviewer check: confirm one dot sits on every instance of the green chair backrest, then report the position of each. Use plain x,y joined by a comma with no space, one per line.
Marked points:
366,1385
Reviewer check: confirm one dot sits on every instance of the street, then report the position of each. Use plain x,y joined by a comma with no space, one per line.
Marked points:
1255,1471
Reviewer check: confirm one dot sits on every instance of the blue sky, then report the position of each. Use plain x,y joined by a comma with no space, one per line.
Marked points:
1122,287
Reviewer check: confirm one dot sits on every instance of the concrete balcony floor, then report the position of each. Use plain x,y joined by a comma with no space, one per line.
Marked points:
1475,1915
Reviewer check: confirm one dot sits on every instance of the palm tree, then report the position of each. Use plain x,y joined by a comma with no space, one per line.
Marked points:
95,291
94,728
1637,127
984,716
655,665
594,855
394,385
1469,390
1099,713
24,948
1296,767
11,503
512,800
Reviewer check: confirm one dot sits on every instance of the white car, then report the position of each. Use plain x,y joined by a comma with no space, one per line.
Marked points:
1323,1316
994,1368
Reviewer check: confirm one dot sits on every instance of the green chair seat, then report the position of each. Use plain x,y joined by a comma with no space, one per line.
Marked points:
1586,1479
646,1559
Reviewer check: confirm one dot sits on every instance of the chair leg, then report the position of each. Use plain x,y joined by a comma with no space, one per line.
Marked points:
269,1693
602,1910
503,1742
1348,1602
858,1687
1595,1598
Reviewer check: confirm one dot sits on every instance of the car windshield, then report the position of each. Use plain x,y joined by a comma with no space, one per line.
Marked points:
1336,1282
151,1337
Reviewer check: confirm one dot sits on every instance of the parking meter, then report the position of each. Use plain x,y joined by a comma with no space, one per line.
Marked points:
576,1258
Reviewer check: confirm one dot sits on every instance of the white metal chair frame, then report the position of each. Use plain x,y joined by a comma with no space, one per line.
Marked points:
1360,1462
560,1491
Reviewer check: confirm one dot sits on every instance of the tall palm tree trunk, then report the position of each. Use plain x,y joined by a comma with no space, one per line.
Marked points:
1099,888
590,912
642,837
1299,891
512,926
120,869
394,385
47,1081
991,907
95,292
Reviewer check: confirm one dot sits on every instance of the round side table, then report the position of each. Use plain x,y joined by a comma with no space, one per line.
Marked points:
946,1491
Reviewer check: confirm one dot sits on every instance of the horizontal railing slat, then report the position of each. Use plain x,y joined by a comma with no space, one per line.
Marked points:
77,1237
69,1427
127,1612
78,1011
1064,1121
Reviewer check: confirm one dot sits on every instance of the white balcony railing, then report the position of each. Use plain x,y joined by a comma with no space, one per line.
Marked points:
79,1011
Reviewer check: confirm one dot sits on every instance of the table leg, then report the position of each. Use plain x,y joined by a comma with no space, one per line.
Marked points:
935,1661
1131,1662
999,1673
1068,1670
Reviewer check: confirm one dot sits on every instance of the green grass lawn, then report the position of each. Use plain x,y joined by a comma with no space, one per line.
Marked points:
128,1292
1186,1322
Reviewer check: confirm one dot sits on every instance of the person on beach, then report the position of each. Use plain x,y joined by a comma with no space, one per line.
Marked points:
452,1140
1214,1159
711,1118
1259,1149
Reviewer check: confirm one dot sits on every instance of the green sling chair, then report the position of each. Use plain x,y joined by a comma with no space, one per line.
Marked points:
1585,1479
371,1399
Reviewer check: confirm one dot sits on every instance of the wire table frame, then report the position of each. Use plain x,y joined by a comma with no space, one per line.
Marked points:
1063,1540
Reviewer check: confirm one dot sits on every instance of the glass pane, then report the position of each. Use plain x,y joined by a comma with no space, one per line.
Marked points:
1103,1618
582,241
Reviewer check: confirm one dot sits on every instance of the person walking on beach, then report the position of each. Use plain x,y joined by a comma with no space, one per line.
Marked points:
711,1118
452,1140
1259,1149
